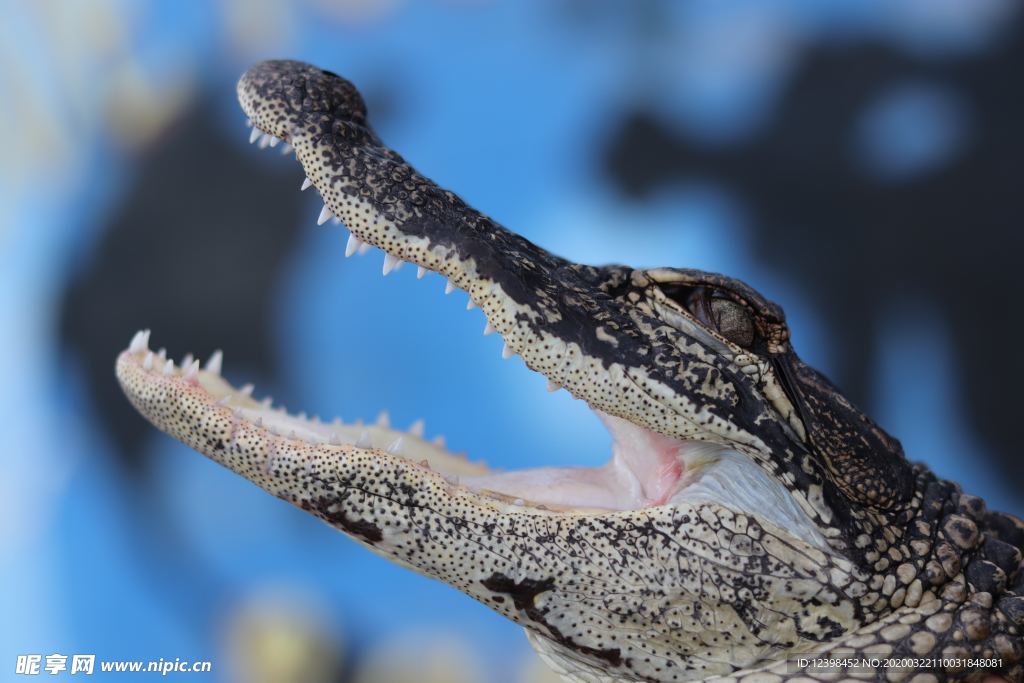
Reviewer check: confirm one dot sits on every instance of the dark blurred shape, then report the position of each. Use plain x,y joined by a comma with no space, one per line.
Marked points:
194,252
862,241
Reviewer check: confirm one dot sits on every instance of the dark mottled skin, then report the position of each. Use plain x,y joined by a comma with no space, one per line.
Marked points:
901,563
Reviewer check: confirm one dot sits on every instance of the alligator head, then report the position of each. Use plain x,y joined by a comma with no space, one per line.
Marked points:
748,512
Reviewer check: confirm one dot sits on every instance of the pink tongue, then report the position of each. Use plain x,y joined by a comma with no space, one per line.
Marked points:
654,459
644,470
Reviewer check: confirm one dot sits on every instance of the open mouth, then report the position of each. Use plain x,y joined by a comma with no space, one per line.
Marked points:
645,469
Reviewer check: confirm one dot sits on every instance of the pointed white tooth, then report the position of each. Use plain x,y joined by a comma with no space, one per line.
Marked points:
506,352
306,184
364,440
267,403
383,420
438,441
236,412
390,263
363,248
147,362
552,386
223,400
213,365
254,135
274,140
417,427
162,355
168,367
291,434
264,141
420,272
488,328
425,464
246,390
302,416
287,149
335,440
248,123
187,360
138,342
352,245
448,287
336,221
192,370
325,215
395,446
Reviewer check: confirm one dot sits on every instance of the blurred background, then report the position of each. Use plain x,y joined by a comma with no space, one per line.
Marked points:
857,161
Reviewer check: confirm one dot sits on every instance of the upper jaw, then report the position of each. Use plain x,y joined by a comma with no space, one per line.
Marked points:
550,311
560,317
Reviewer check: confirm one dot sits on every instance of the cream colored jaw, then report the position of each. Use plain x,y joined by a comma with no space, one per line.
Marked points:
409,444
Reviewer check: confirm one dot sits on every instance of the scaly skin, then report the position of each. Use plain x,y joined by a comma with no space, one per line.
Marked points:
881,558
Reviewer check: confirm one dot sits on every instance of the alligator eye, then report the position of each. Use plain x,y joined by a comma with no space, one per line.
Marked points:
733,321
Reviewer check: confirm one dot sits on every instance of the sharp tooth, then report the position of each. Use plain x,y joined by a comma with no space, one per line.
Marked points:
264,141
448,287
274,140
506,352
336,220
215,362
438,441
390,263
192,370
140,342
396,446
335,440
306,184
236,412
552,386
162,355
187,360
147,362
364,440
488,328
248,123
287,149
420,272
291,434
425,464
363,248
223,400
246,390
168,367
470,304
325,215
255,135
417,427
383,420
352,245
302,416
267,402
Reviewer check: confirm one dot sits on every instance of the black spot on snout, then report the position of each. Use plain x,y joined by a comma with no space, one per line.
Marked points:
364,529
524,595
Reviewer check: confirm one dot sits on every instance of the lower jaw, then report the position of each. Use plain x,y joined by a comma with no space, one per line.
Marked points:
646,469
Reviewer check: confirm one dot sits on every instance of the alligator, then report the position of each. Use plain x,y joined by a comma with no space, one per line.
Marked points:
751,524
